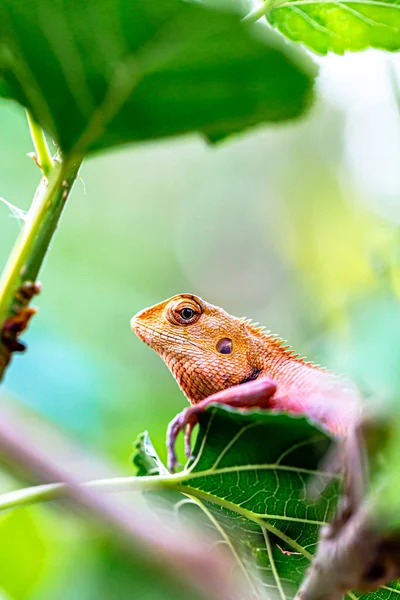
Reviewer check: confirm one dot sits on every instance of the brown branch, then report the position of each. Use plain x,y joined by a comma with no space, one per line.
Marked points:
358,556
355,552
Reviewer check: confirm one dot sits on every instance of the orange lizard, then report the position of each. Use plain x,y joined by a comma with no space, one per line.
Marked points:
216,357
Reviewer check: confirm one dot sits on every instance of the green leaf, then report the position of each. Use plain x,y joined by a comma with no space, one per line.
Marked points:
97,75
145,458
248,479
325,26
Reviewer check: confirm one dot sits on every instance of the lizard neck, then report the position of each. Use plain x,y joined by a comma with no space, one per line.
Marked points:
305,388
278,361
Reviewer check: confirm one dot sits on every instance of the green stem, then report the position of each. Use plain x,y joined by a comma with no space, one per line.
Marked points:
42,150
54,491
33,241
257,14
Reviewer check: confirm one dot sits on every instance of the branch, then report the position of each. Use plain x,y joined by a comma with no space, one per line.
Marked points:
359,556
356,551
110,485
185,557
17,282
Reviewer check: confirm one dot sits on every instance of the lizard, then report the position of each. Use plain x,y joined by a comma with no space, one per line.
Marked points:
218,358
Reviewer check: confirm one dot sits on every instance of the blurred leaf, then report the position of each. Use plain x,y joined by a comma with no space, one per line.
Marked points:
249,479
104,74
22,553
335,273
339,26
145,458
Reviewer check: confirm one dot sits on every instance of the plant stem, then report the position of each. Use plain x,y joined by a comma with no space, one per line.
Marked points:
55,491
41,147
33,241
257,14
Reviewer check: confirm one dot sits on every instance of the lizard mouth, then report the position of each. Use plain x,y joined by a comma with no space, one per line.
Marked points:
142,331
153,337
148,334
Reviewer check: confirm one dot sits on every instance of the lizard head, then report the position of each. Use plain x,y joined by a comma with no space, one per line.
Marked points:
205,348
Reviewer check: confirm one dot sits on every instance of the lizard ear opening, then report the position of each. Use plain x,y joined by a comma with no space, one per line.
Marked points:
224,346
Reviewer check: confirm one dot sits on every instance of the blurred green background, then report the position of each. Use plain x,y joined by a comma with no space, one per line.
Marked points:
295,226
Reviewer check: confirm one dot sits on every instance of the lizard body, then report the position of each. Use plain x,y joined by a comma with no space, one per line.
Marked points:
216,357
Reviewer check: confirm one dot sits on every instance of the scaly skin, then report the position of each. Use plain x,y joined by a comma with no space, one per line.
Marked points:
216,357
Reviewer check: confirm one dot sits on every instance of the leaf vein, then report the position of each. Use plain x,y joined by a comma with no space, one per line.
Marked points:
272,562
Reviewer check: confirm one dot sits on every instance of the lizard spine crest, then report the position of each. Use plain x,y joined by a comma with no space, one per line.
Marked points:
279,343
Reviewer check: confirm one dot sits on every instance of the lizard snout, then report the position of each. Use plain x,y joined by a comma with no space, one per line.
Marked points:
138,326
142,325
144,333
134,323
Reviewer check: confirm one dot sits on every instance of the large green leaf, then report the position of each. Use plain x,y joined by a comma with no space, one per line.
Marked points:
101,74
326,26
249,479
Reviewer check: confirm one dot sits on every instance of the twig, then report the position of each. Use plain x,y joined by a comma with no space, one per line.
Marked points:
31,246
180,556
359,556
355,552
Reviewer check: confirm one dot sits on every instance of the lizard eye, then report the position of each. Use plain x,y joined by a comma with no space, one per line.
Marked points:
187,314
184,313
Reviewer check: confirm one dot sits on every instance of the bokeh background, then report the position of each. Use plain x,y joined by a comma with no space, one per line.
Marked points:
293,225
